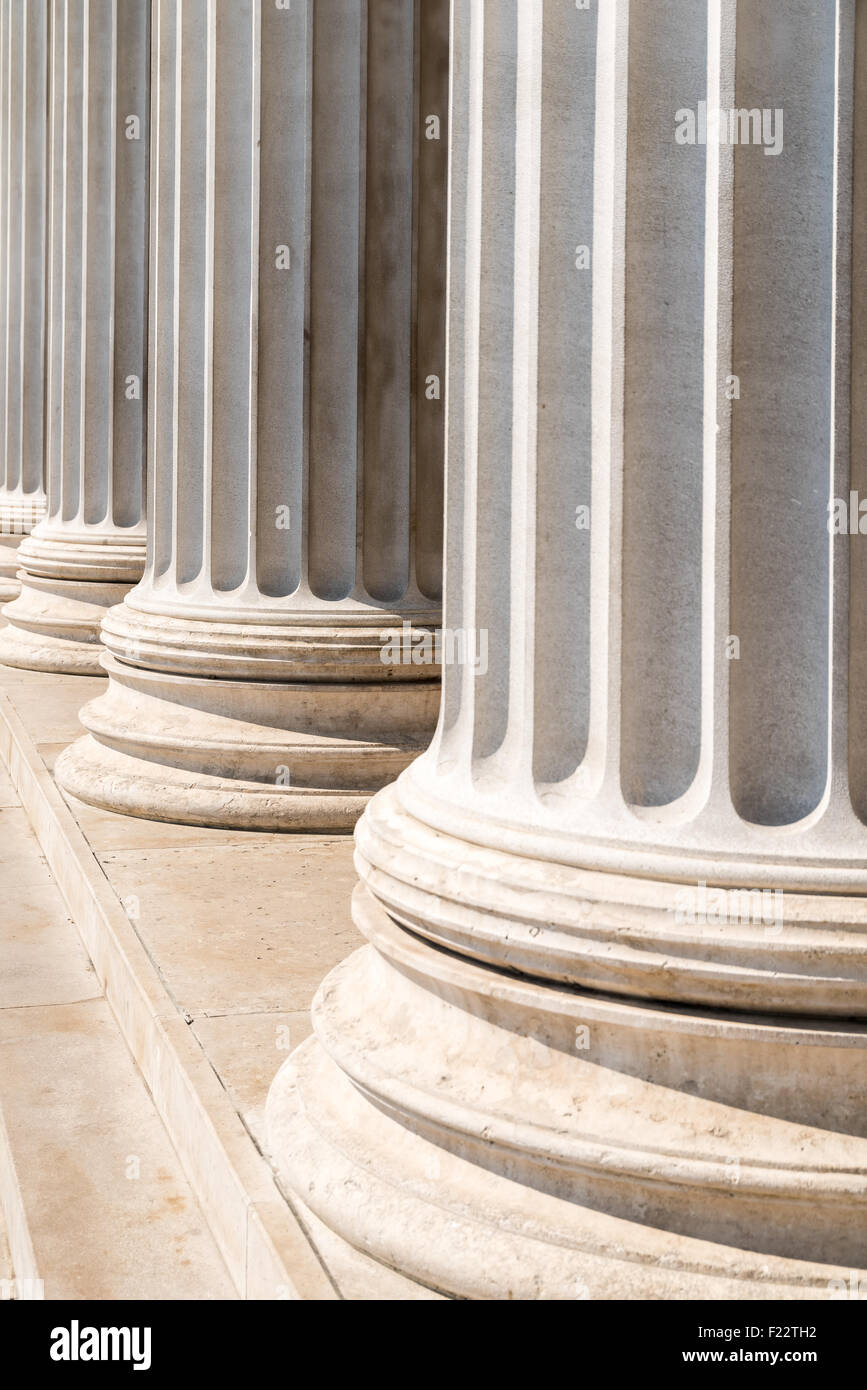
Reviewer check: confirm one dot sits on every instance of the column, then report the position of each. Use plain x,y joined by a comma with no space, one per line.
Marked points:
607,1036
23,199
277,663
89,548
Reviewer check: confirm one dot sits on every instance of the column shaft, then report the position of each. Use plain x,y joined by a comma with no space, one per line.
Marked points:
606,1038
276,664
90,547
23,201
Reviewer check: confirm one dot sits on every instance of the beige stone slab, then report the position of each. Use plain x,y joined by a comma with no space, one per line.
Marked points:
110,1213
240,930
5,1257
7,791
100,1201
265,1247
43,959
21,859
13,1216
247,1050
50,752
275,1246
48,705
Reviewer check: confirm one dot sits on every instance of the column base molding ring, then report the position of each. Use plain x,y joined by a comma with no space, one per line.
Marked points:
762,951
244,754
445,1121
55,626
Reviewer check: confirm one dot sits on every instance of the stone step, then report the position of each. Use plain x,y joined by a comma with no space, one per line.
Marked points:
5,1261
95,1200
206,1060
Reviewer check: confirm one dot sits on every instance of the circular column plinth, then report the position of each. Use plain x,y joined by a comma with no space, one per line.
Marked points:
18,516
10,585
495,1135
67,587
247,725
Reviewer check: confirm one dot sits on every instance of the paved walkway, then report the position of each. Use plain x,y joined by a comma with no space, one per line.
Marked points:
109,1211
240,927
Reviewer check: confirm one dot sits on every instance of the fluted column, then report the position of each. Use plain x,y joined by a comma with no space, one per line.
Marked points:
276,664
23,201
89,549
608,1036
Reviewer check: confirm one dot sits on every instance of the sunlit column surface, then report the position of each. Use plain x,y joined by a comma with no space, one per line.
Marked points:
277,664
89,548
573,1060
23,203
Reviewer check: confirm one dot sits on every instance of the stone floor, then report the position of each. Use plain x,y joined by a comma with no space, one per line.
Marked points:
109,1212
241,928
5,1261
265,916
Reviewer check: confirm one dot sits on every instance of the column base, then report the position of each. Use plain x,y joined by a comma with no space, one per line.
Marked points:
55,626
68,584
17,519
10,584
495,1137
257,755
723,948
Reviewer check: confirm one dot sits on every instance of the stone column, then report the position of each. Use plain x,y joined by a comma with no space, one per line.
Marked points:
276,664
89,549
23,196
608,1039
